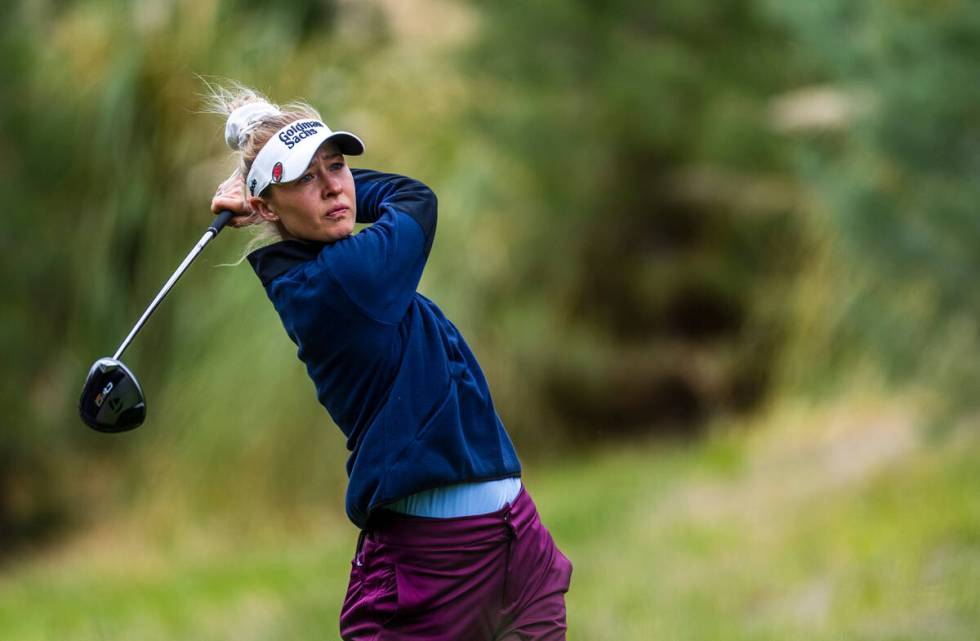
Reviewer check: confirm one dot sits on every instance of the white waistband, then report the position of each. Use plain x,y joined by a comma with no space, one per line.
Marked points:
465,499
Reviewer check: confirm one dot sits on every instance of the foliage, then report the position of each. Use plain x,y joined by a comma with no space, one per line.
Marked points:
654,246
626,238
895,193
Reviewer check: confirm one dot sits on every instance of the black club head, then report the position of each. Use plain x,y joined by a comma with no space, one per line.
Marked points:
112,399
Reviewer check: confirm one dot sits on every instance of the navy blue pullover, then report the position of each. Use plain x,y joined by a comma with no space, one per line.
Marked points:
393,372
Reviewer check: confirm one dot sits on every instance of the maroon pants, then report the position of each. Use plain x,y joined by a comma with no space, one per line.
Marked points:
493,577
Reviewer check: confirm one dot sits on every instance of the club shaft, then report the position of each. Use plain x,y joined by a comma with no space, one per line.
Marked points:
208,235
212,231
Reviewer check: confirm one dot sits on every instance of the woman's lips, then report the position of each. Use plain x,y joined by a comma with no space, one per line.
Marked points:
337,212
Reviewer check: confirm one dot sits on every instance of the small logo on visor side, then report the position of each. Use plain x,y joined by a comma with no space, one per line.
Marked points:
277,172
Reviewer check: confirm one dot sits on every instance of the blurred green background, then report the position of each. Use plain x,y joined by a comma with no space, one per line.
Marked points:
717,260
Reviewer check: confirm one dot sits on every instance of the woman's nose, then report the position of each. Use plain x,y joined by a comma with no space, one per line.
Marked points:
331,185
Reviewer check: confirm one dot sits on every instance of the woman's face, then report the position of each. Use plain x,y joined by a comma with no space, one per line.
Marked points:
319,205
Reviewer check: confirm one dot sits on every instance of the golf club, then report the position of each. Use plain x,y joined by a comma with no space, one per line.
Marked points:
112,399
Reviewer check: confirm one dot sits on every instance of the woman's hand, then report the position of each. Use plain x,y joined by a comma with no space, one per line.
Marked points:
231,195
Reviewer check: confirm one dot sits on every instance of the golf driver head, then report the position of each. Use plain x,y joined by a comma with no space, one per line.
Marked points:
112,399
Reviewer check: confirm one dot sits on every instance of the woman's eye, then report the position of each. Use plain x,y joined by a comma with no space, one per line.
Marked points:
306,178
337,166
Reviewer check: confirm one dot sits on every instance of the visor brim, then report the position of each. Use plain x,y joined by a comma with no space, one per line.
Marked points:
299,160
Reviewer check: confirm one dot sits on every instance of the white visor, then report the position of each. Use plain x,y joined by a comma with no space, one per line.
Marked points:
289,152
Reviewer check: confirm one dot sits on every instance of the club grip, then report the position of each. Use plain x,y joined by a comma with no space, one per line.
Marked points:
220,221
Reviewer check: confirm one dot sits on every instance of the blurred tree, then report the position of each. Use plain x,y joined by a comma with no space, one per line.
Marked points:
655,242
896,186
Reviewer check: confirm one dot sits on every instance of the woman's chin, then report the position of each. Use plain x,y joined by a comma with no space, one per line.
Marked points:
338,231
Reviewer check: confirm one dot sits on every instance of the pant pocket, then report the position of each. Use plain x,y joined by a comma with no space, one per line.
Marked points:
415,591
372,598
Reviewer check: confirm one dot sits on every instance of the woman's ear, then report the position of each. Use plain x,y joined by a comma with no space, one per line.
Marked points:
261,207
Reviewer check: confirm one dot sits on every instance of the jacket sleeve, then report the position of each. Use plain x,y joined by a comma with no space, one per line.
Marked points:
376,192
380,267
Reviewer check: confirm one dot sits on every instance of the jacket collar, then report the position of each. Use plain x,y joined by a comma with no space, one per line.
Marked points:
274,260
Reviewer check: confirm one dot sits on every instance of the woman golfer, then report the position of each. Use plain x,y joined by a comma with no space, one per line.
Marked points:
451,546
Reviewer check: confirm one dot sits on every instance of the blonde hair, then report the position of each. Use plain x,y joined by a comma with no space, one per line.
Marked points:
247,141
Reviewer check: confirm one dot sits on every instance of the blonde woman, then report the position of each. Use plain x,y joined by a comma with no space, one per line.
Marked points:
451,546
